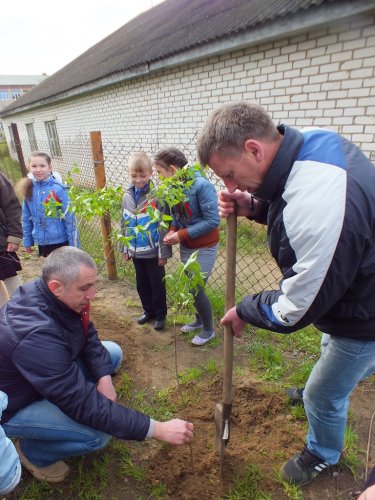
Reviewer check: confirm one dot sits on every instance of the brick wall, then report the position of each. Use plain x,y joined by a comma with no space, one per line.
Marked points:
323,78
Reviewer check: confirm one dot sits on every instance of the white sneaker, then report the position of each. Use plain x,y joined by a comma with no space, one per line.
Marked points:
197,340
190,328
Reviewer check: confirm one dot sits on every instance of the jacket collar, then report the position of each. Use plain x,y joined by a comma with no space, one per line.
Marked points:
282,164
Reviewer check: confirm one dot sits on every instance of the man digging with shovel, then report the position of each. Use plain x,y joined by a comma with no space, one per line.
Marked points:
315,191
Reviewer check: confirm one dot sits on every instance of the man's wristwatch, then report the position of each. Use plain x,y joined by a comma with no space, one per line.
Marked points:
252,207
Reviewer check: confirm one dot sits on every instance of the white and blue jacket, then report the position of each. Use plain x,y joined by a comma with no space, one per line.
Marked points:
38,229
319,206
10,466
144,244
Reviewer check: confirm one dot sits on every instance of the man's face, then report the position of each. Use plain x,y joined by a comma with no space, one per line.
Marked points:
80,292
241,171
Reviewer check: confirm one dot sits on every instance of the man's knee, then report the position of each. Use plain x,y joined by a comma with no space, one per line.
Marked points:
99,441
114,351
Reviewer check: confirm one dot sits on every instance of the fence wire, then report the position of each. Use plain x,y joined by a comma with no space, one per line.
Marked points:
256,269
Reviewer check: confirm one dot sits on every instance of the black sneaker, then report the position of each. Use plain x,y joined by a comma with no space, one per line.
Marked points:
302,468
295,395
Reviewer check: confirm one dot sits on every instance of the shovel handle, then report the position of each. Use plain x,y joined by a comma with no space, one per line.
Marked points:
230,292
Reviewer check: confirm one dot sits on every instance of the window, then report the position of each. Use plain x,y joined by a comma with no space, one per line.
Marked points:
31,136
4,96
53,138
12,142
16,94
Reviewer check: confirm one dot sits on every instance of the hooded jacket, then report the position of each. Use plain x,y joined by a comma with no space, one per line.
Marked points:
40,229
319,207
10,215
40,340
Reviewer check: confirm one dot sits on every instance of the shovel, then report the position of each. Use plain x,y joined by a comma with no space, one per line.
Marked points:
223,410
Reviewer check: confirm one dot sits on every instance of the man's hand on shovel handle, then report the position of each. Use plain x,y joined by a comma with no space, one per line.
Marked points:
231,317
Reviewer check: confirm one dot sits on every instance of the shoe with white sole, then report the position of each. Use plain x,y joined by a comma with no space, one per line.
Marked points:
197,340
191,327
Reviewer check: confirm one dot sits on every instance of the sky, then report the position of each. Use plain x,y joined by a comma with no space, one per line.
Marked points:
42,36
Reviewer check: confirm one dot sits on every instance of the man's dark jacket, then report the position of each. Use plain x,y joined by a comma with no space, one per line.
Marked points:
40,339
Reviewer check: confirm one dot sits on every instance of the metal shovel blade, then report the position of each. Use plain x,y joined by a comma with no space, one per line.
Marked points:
222,416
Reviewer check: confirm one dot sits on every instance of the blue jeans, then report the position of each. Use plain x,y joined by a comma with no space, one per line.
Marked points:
48,435
343,363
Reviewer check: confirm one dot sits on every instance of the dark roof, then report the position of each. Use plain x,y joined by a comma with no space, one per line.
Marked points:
169,28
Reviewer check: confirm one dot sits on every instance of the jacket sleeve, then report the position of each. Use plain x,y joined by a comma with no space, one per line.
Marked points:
69,219
321,246
27,224
12,211
207,202
44,360
95,355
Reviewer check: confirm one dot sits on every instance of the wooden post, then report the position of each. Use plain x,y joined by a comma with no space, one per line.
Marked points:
105,220
18,146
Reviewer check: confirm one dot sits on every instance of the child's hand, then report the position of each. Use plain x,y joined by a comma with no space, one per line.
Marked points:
162,262
172,238
126,256
29,249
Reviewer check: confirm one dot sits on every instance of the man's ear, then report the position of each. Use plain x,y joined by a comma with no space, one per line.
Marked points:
55,286
173,168
254,148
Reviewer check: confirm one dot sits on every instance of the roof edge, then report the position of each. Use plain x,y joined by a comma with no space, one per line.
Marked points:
271,30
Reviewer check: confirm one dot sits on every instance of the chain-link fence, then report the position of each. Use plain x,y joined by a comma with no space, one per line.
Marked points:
256,270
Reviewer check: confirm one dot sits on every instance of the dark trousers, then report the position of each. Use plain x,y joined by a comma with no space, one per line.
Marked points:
151,287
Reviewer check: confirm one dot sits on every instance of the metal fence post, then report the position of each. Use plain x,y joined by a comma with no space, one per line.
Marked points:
18,146
105,220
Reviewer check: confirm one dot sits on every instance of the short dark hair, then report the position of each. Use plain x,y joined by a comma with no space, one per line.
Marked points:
229,126
170,156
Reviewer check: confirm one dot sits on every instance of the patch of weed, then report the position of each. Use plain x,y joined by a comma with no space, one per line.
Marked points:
267,358
351,452
247,485
298,412
190,375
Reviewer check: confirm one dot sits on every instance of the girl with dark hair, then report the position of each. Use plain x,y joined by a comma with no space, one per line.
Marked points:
195,227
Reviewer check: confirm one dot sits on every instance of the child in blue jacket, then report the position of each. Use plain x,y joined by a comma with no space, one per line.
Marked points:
146,248
39,229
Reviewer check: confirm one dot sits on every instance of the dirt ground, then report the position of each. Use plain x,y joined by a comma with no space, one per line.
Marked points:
263,432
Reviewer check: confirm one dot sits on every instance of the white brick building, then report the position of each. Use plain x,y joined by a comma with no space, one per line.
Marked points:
307,66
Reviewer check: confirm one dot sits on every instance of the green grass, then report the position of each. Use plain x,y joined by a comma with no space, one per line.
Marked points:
351,456
251,237
267,359
247,485
190,375
156,403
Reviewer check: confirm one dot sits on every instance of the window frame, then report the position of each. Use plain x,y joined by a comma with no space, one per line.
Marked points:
31,135
53,138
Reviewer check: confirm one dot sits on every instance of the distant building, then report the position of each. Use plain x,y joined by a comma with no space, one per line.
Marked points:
14,86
